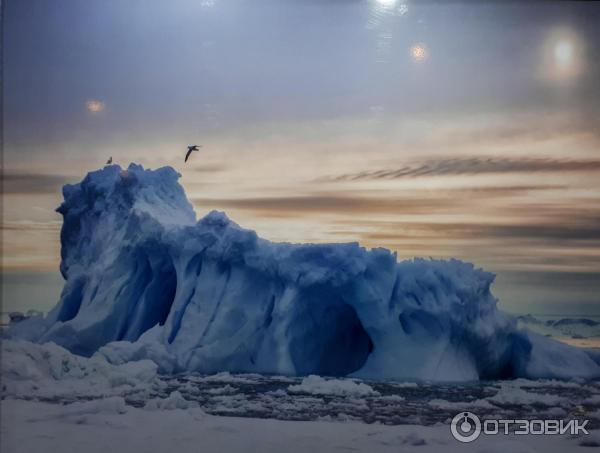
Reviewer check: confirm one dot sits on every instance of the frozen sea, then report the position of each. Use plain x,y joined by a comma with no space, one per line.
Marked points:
55,401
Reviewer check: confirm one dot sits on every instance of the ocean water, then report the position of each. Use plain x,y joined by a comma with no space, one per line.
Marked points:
390,403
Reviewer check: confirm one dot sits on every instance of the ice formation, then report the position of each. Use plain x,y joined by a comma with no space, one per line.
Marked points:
578,328
50,372
144,280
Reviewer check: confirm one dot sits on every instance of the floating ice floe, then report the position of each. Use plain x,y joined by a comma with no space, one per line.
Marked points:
317,385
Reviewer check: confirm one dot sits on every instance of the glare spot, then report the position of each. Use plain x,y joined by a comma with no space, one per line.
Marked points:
94,106
392,6
418,52
563,53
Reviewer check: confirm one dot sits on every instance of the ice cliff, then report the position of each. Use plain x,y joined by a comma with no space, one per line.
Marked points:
145,280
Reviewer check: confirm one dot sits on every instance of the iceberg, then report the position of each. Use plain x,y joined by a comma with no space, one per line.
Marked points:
578,328
145,280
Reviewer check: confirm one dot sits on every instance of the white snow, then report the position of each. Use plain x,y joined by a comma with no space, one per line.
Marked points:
393,398
50,371
175,423
29,427
174,401
113,405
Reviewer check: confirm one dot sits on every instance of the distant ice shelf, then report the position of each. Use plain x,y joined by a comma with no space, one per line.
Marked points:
145,280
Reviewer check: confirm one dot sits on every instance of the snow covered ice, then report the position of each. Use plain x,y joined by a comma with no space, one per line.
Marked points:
78,386
99,427
153,412
146,281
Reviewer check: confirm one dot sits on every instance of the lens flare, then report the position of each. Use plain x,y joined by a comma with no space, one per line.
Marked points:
419,52
563,53
563,56
94,106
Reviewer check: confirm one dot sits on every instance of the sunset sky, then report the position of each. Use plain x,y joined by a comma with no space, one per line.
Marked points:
435,129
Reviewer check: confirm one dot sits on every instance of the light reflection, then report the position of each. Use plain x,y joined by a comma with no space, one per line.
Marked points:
392,6
382,11
94,106
418,52
563,55
387,3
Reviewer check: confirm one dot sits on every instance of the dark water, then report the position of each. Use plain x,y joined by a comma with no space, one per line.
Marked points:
395,403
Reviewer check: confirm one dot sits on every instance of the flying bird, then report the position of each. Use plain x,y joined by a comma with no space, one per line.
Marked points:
190,149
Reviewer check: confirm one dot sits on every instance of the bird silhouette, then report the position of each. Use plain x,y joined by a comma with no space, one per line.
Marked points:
191,148
109,161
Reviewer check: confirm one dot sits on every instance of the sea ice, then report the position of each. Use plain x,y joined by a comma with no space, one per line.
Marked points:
317,385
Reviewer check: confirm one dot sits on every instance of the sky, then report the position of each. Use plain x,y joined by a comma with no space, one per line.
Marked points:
435,129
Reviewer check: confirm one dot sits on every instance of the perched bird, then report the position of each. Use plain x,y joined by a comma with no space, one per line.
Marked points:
109,161
190,149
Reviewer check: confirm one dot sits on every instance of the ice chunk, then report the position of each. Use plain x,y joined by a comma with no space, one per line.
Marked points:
48,370
174,401
317,385
512,395
571,327
551,358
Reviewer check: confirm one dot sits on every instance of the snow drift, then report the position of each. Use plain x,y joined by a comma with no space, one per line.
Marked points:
144,280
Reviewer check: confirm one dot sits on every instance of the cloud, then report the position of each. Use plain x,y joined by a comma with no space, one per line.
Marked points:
33,183
503,191
410,202
328,203
473,166
31,225
549,233
209,168
543,231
